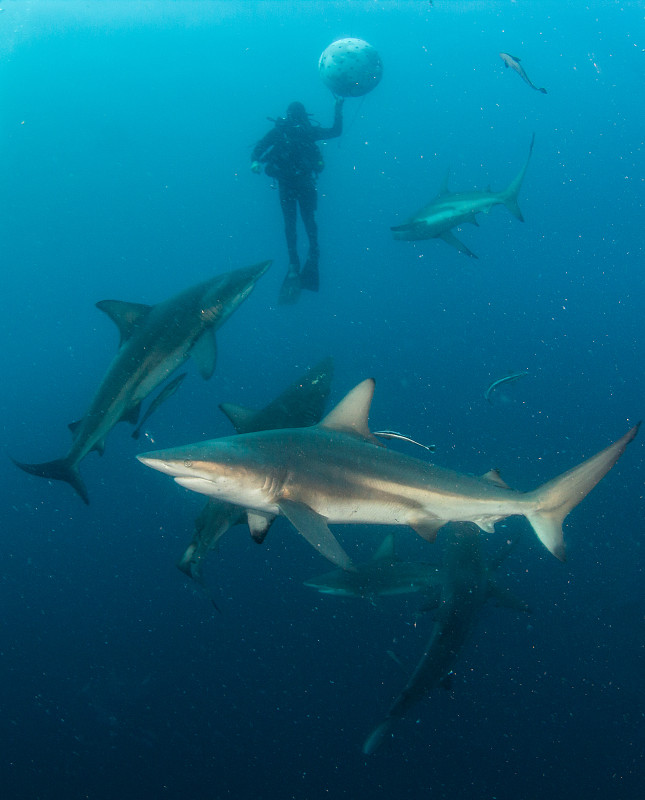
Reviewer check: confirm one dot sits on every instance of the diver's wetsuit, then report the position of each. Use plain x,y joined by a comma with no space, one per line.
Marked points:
293,159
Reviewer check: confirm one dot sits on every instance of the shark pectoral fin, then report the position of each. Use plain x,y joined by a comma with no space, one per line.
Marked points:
493,476
503,598
314,529
259,525
377,737
239,416
427,528
204,354
450,238
407,226
126,316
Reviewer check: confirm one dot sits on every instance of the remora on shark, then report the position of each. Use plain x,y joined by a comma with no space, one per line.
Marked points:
155,341
448,210
337,472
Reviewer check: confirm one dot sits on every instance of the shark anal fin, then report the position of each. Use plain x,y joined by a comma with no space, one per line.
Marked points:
427,528
315,530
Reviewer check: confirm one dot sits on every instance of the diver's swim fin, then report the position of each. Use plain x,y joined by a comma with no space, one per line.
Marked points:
290,289
309,276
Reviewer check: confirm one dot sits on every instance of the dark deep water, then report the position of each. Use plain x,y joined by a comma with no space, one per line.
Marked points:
126,130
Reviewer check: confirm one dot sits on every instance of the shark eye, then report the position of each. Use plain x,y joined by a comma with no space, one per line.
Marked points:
188,463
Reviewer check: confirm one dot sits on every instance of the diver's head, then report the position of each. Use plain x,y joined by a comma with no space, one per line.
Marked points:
297,114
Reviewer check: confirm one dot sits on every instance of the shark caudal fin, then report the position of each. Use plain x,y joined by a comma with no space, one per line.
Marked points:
554,500
59,470
510,195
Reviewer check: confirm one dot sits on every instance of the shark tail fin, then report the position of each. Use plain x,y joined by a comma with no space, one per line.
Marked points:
377,737
59,470
511,193
555,499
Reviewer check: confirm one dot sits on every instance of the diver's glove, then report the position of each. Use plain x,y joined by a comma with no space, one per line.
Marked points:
256,167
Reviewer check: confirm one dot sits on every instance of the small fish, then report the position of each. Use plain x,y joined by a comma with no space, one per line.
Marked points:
404,438
514,63
506,379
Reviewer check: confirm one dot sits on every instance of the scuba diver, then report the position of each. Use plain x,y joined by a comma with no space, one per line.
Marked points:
291,156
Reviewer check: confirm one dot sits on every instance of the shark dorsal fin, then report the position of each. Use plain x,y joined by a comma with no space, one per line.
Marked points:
443,187
385,551
126,316
352,413
240,417
493,476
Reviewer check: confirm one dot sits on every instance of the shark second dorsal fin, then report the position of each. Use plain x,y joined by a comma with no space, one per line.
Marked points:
351,415
239,416
385,551
126,316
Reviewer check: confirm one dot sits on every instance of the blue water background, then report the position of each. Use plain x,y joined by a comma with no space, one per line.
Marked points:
126,131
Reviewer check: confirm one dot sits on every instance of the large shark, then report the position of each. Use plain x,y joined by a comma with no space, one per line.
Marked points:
337,472
383,575
448,210
466,583
155,341
300,404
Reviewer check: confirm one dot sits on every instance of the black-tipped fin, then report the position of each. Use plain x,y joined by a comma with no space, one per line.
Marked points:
59,470
126,316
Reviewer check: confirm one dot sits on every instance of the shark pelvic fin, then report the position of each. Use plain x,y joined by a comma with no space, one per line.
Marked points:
314,529
204,354
126,316
58,470
554,500
259,525
351,415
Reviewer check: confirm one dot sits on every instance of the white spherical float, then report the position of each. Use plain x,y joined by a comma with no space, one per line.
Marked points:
350,67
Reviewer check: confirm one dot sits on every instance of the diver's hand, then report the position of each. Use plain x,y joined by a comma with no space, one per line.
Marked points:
256,167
